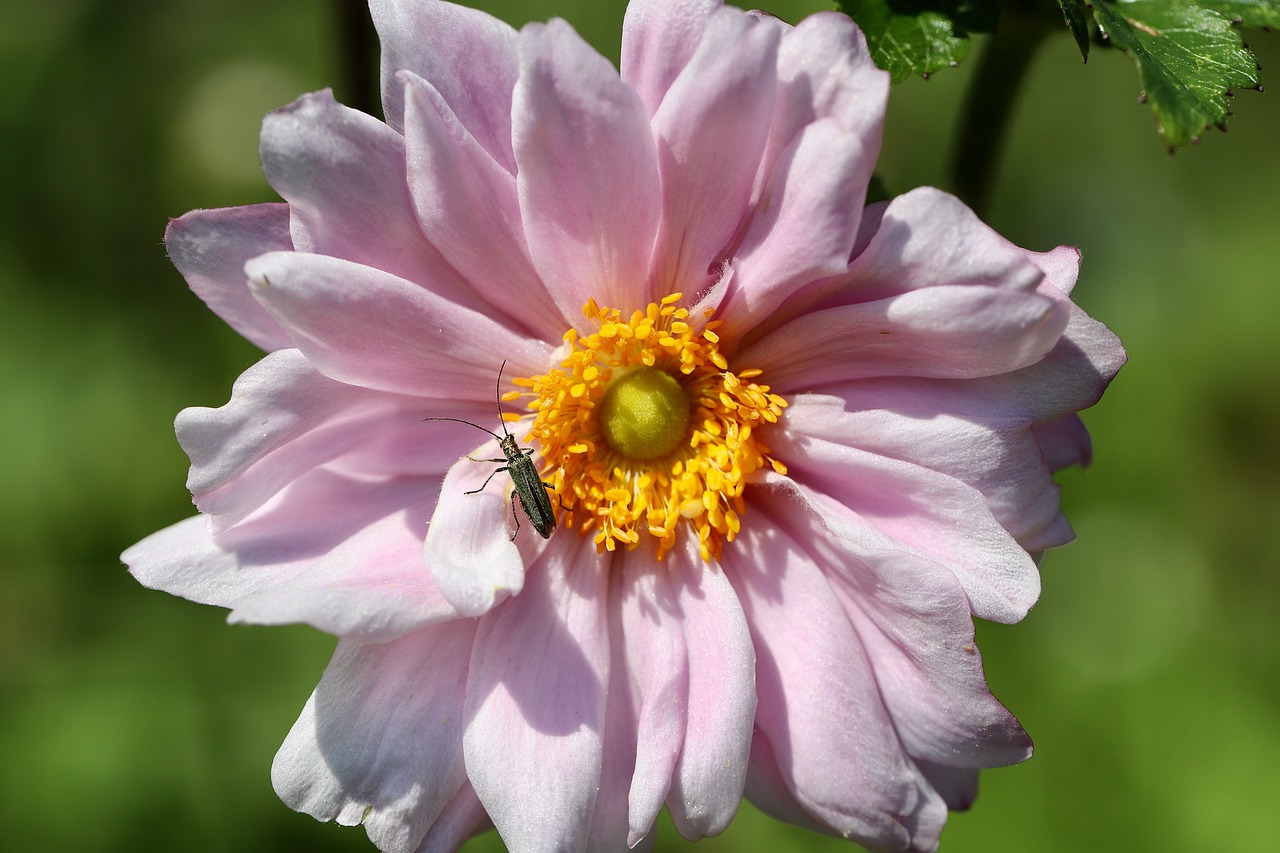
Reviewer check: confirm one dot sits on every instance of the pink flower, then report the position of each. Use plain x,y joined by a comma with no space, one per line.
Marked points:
795,445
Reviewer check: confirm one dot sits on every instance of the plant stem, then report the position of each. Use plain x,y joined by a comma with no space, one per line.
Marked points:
358,48
989,103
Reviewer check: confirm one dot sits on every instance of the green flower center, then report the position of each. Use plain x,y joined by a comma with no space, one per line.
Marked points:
645,414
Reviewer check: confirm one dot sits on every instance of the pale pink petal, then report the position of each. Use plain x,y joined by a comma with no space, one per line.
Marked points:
926,513
461,192
1064,442
769,789
343,174
339,554
658,39
285,420
182,559
944,332
467,55
914,622
210,248
708,782
380,741
955,428
826,72
656,660
820,709
424,345
1061,266
588,171
958,786
609,818
462,818
927,238
373,586
922,239
536,701
469,546
281,412
804,224
725,93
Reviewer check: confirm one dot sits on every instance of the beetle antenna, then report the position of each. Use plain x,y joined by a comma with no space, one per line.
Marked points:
497,396
468,423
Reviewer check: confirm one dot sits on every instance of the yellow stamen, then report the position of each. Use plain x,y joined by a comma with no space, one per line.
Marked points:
645,430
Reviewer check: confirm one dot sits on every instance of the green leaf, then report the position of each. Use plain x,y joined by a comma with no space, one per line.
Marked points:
1188,59
1076,14
920,36
1251,13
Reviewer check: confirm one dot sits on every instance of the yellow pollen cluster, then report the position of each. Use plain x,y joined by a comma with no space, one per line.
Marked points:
699,483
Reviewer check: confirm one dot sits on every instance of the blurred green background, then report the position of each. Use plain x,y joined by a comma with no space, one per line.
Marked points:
1149,674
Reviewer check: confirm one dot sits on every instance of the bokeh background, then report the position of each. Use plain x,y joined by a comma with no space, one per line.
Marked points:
1149,674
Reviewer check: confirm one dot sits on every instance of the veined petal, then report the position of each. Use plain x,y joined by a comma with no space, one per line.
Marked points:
934,424
588,171
914,621
326,539
709,778
1064,441
372,586
819,707
462,818
536,701
826,72
468,206
949,332
469,545
725,93
285,419
343,174
926,513
210,249
958,786
380,741
281,407
656,660
471,61
424,344
658,39
804,223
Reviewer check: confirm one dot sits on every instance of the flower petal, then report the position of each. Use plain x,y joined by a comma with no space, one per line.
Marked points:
945,332
587,171
826,72
925,511
471,61
1064,442
380,741
958,786
656,660
425,345
804,224
658,39
914,622
343,174
210,249
467,203
460,820
468,547
819,706
373,586
708,782
536,701
960,429
726,94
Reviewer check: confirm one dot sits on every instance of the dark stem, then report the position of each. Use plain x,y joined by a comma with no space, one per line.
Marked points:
989,103
358,46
